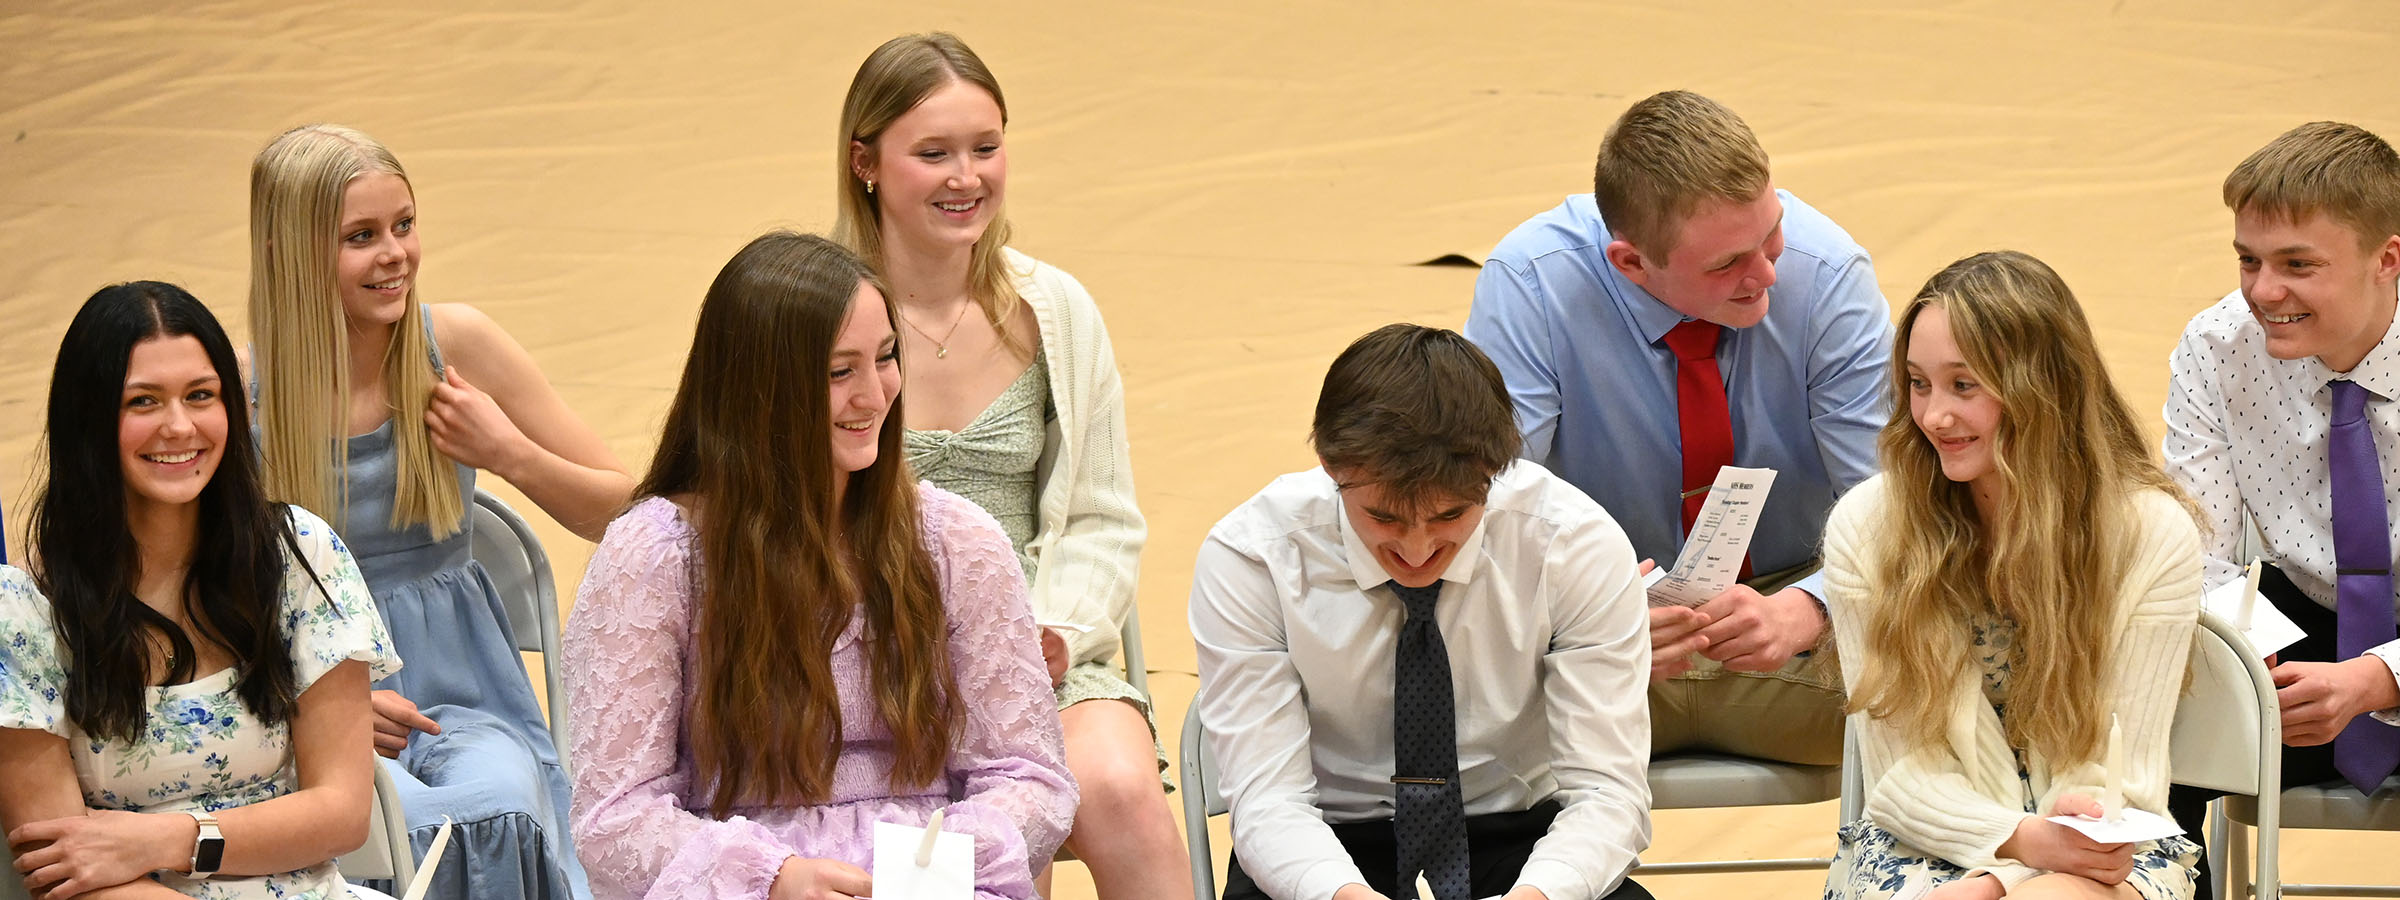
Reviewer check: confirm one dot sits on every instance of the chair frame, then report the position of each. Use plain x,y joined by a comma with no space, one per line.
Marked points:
542,596
2200,736
387,853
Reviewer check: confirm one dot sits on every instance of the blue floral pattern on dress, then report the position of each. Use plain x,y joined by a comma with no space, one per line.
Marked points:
202,748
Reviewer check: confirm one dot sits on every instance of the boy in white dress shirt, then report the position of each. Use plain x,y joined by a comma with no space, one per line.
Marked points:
2282,410
1425,657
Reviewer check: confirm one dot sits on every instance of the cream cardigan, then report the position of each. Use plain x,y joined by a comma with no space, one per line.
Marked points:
1960,800
1087,545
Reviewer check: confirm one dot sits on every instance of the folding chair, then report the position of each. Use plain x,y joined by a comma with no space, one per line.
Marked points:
1200,801
386,853
2228,736
2335,805
1711,780
506,547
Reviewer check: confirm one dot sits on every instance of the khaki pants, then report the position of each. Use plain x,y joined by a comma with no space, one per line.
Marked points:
1791,715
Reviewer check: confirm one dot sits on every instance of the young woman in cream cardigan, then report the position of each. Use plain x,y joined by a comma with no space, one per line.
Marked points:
2020,572
1014,403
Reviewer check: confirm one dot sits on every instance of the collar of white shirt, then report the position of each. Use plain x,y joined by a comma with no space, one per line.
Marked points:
1369,573
2378,372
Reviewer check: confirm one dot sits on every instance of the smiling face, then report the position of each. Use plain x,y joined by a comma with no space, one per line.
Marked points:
1414,546
2313,288
170,422
1720,265
940,170
864,379
376,264
1951,404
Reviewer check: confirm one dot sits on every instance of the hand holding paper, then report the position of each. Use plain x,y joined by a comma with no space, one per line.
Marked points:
1720,538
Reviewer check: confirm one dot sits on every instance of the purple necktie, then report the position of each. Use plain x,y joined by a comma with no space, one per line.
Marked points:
2366,751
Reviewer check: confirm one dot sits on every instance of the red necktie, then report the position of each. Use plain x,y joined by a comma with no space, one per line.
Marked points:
1707,425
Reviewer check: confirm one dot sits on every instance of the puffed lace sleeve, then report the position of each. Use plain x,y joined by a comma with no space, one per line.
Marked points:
1010,769
624,650
328,615
32,680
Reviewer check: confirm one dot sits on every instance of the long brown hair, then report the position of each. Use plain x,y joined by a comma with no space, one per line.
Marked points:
2071,455
893,80
780,567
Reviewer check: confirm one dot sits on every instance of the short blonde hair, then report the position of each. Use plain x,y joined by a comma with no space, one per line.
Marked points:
1663,157
2342,171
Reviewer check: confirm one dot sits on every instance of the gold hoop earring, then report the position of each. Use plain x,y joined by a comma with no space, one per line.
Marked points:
870,185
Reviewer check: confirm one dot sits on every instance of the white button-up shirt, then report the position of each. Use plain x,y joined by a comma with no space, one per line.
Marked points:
2249,432
1548,637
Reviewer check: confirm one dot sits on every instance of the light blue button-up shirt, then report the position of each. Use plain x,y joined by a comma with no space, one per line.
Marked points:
1594,384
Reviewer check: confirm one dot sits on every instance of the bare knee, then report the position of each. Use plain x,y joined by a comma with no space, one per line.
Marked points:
1117,785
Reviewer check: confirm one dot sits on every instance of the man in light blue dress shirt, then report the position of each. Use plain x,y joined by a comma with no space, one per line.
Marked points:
1576,310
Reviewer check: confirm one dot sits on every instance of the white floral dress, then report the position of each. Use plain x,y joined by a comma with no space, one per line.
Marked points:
1872,864
204,749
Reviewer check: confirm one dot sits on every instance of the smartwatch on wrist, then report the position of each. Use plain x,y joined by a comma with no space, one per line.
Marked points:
208,850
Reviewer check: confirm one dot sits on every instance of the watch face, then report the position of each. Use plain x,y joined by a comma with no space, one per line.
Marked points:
208,854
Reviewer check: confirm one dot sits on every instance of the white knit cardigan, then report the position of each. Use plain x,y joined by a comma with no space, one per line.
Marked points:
1960,799
1087,547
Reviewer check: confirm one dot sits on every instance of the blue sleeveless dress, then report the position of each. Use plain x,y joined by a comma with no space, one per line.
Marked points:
493,769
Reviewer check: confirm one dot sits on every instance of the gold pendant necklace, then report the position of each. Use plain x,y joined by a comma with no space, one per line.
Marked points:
941,347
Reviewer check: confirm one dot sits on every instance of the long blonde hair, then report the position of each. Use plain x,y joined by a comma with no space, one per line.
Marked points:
2071,456
297,326
893,80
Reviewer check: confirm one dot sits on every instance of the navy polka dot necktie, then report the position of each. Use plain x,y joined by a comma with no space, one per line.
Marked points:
1429,820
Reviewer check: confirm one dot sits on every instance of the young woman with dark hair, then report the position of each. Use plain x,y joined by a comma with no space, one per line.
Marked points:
789,639
186,713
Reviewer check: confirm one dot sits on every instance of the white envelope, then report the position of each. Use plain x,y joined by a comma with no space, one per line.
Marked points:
2269,629
898,877
2131,825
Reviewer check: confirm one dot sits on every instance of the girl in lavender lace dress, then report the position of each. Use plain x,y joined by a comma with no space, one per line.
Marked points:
787,640
185,713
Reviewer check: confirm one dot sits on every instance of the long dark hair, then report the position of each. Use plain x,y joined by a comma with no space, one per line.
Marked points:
749,433
84,554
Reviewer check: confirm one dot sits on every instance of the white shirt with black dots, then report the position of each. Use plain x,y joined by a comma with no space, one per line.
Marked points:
2247,432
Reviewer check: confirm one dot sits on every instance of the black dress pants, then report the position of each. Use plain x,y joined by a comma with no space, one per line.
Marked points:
1497,847
2301,765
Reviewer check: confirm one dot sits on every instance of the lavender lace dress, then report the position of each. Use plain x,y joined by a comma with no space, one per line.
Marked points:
640,816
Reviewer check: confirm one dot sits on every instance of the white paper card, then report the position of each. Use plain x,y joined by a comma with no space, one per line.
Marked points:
2269,629
2130,826
898,877
1712,555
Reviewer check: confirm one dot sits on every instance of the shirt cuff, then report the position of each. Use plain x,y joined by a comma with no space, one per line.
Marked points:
1327,877
1814,584
2390,654
1560,881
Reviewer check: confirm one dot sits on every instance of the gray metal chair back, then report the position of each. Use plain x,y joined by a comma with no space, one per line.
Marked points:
386,853
507,548
1200,801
